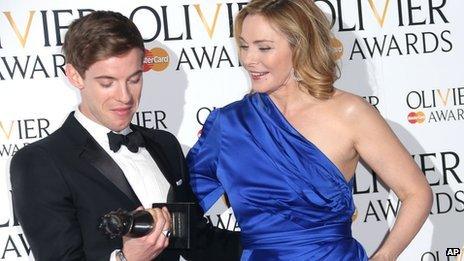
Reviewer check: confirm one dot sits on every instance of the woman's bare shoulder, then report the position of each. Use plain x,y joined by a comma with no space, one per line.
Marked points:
350,106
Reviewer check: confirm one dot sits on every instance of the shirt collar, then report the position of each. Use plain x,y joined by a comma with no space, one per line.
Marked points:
96,130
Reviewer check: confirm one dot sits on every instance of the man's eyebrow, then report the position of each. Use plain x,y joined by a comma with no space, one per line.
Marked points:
135,73
107,77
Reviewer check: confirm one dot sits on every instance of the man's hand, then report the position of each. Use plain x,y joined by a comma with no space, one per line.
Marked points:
151,245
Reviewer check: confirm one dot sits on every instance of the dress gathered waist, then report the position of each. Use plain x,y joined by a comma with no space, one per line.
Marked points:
297,238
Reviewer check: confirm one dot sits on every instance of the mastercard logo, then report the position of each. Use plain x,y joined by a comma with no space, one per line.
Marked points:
156,59
416,117
337,48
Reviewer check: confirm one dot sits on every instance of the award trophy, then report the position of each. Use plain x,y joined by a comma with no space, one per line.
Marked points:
139,223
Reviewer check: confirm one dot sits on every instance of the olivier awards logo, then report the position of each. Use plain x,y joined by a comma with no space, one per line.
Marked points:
204,30
153,119
197,27
442,170
50,29
435,106
391,28
15,134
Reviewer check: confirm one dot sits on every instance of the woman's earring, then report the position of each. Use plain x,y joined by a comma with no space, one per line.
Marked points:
295,76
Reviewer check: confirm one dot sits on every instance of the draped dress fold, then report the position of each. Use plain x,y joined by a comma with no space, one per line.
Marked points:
291,202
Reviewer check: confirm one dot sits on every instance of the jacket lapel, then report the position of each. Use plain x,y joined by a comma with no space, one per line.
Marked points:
97,157
100,160
160,159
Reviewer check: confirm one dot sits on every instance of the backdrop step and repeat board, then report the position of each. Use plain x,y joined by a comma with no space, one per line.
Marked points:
403,56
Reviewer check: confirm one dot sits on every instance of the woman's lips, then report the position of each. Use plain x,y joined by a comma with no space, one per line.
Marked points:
257,75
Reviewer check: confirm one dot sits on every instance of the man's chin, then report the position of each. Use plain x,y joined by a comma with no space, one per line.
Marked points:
118,126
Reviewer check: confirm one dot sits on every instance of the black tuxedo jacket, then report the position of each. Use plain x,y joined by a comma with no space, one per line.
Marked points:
63,183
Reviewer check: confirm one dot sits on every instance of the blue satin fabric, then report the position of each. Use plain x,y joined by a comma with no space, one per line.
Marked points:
290,200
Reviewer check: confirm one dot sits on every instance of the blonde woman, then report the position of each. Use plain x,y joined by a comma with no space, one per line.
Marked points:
286,154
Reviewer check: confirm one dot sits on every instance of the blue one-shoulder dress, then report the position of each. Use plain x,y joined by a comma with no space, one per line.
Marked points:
291,202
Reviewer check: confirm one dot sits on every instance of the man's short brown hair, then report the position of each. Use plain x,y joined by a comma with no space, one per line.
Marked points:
98,36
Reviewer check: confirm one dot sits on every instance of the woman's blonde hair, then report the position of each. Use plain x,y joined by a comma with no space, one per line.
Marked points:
308,32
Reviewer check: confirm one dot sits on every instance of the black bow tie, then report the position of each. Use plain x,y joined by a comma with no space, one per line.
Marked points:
132,141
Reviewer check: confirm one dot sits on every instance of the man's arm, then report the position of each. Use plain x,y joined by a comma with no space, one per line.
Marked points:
211,243
43,204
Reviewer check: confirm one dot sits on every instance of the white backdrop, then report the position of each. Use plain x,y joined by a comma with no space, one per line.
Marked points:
403,56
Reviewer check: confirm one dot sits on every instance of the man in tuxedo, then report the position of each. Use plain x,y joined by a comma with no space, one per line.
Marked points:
97,161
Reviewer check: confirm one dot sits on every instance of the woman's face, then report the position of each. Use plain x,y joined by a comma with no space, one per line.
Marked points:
266,54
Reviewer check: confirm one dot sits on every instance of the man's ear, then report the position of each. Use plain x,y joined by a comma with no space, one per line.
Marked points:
74,77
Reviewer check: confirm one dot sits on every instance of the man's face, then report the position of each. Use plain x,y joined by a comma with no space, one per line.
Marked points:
111,89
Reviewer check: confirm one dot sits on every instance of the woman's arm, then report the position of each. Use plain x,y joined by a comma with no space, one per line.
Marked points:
383,152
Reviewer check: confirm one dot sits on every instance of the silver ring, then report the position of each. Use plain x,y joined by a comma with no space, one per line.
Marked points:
166,232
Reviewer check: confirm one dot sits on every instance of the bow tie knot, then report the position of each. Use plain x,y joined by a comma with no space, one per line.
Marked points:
133,141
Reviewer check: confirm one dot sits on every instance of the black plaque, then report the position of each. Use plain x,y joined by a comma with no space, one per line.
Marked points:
181,224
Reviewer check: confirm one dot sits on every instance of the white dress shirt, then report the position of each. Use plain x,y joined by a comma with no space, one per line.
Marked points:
141,171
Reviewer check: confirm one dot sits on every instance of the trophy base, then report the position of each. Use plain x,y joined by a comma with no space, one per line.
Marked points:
182,225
